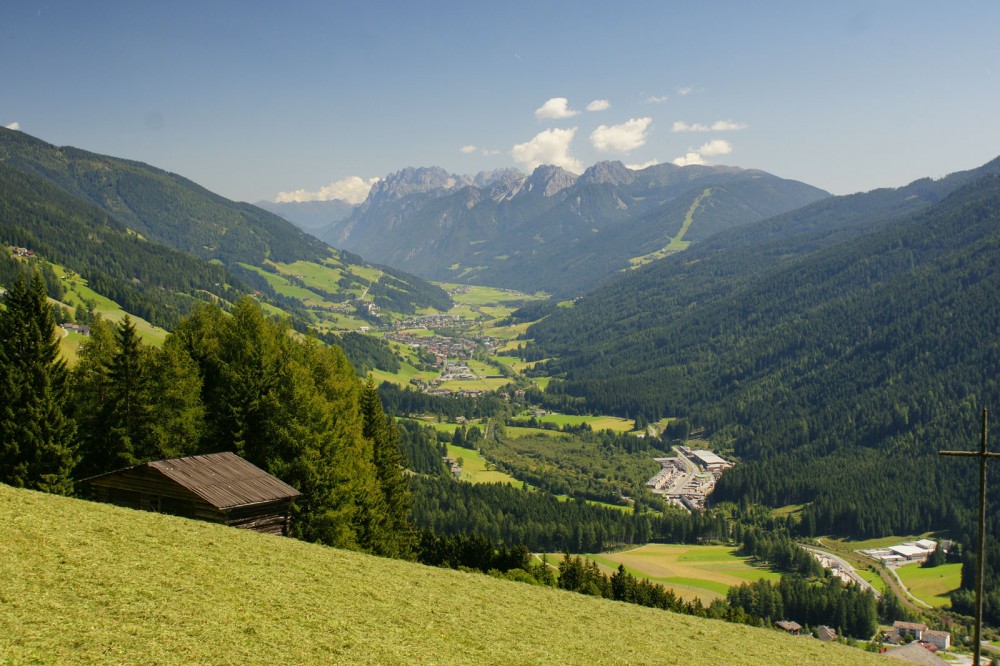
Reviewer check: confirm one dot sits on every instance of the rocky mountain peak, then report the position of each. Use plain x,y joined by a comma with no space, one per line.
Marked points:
614,173
415,180
550,180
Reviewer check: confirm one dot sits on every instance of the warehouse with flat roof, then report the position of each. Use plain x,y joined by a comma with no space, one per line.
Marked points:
710,461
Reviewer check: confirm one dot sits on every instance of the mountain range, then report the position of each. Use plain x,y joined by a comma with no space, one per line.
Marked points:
550,230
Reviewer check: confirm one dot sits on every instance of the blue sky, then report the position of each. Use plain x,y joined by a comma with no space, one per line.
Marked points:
252,99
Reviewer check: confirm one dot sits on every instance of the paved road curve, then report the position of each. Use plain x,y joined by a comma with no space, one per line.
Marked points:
846,568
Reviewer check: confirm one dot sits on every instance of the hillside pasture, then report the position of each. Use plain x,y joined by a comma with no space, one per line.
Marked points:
597,423
477,470
703,572
931,585
88,583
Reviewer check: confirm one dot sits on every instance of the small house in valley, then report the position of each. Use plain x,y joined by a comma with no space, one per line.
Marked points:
825,633
790,626
218,487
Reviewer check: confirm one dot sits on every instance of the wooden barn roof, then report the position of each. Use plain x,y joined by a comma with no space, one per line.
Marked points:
224,480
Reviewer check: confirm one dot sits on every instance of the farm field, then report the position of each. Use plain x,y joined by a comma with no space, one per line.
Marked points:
931,585
705,572
474,468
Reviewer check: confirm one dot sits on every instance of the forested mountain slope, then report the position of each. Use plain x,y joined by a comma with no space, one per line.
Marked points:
163,206
835,354
137,229
552,230
146,278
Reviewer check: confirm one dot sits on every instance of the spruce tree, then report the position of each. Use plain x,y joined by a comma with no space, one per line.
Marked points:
37,448
390,532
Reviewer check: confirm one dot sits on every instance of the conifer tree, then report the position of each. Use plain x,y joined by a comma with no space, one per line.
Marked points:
37,447
390,532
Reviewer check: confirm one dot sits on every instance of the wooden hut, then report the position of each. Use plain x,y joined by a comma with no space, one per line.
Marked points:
218,487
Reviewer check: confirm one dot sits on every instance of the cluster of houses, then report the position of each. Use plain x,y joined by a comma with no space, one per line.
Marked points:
442,348
822,632
917,632
453,467
910,551
82,329
20,251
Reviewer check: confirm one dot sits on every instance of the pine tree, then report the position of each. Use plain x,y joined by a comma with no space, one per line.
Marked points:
37,447
389,532
89,397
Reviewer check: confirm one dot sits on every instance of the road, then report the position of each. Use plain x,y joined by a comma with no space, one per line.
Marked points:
678,487
846,568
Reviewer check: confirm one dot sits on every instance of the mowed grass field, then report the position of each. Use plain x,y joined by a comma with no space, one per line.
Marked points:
931,585
474,468
87,583
597,423
705,572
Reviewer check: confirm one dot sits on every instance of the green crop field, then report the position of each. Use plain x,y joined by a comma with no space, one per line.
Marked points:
931,585
86,583
705,572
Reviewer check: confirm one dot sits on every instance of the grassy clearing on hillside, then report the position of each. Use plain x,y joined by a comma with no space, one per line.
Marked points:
597,423
475,468
931,585
706,572
86,583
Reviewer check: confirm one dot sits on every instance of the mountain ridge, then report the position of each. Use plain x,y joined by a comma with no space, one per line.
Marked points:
501,231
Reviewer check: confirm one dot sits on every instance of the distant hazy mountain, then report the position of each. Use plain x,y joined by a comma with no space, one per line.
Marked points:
552,230
310,216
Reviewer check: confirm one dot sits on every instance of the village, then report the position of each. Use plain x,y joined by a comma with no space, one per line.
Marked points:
687,479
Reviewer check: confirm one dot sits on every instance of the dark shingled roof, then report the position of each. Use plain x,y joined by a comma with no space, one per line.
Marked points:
225,480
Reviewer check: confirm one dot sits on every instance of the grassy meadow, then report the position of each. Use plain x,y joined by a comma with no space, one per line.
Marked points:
476,470
86,583
705,572
933,584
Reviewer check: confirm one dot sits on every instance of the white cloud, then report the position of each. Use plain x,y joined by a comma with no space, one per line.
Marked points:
13,126
485,152
557,107
713,147
644,165
716,147
686,90
548,147
717,126
353,190
621,138
688,159
599,105
656,99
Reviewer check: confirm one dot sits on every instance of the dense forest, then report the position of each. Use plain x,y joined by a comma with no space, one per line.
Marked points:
835,377
235,382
